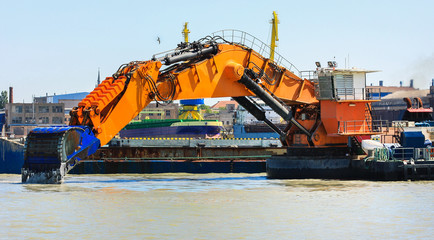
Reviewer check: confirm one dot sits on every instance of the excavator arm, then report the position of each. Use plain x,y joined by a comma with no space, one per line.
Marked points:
208,68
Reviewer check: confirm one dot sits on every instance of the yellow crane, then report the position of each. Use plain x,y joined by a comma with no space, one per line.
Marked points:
185,32
274,34
190,108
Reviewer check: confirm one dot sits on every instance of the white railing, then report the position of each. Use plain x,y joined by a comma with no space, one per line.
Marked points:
309,75
362,126
249,41
350,93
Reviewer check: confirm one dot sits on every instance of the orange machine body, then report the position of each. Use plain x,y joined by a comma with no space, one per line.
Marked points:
118,99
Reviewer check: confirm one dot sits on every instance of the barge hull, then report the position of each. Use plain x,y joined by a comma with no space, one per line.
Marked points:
169,166
305,162
335,163
176,159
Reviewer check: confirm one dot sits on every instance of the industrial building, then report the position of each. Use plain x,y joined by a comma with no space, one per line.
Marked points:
70,100
381,91
226,111
159,111
21,118
392,105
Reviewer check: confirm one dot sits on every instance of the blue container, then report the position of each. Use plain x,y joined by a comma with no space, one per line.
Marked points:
11,157
2,120
192,102
412,139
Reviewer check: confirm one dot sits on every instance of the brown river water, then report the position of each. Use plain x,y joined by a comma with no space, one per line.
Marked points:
214,206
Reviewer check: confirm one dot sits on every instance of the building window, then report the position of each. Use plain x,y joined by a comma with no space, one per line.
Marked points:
29,120
28,109
43,109
57,120
18,109
43,120
57,109
167,113
18,130
17,120
151,114
158,114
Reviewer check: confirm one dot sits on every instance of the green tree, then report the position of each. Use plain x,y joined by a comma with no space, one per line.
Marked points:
3,99
205,107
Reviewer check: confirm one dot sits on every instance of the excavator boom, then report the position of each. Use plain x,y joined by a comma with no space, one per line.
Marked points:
209,68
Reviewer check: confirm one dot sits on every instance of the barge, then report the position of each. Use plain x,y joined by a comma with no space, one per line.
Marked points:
240,156
162,155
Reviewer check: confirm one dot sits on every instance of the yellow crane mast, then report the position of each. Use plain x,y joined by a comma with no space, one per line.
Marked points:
274,34
185,32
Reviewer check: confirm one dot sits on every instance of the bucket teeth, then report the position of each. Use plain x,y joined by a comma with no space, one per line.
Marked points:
49,176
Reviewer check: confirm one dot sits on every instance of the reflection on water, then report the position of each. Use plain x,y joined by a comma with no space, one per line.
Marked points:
322,185
214,206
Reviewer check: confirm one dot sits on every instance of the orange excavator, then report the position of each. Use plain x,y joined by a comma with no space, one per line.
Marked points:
212,67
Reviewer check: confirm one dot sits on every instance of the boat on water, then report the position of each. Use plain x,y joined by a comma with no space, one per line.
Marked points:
172,128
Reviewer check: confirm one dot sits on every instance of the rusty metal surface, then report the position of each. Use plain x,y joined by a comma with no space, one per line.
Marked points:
183,153
202,158
194,142
169,166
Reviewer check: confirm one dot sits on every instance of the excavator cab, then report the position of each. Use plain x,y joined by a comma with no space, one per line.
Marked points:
340,84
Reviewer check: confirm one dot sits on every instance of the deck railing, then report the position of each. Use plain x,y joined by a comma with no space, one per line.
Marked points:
400,154
403,153
309,75
350,93
362,126
249,41
425,153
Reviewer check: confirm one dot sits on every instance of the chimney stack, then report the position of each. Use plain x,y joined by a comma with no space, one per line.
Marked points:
98,81
411,83
381,83
11,95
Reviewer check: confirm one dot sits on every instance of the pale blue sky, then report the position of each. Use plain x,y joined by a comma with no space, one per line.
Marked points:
58,46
